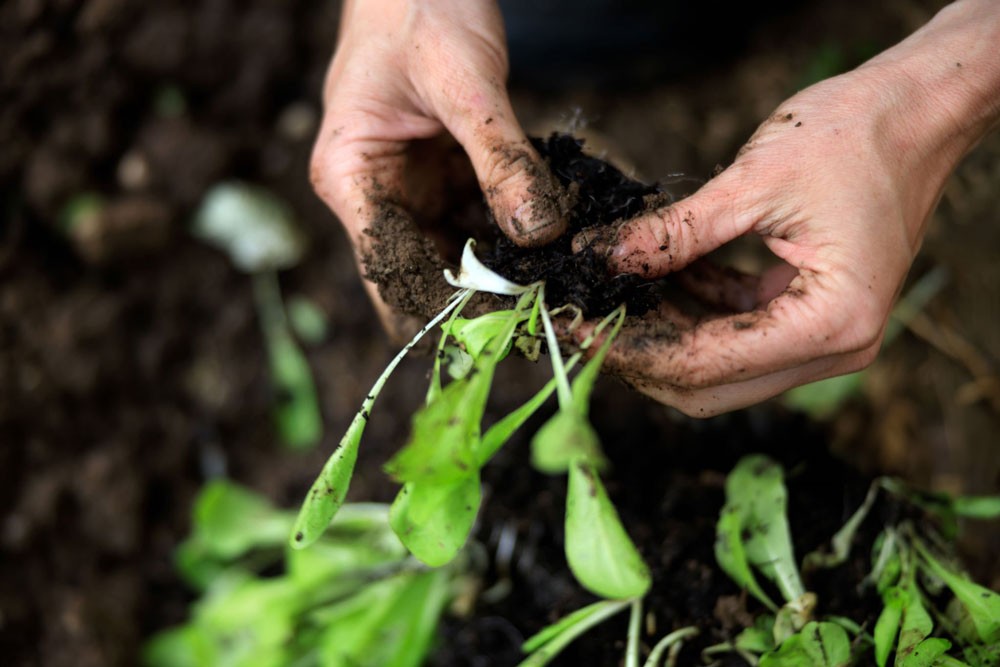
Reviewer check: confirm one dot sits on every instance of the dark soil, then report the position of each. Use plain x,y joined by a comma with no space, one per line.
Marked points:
667,482
602,196
132,366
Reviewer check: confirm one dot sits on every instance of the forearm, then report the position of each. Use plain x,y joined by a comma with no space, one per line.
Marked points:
947,77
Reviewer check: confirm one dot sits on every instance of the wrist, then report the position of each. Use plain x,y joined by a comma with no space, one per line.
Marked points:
943,83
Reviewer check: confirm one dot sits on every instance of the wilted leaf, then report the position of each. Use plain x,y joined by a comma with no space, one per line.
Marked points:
731,555
755,492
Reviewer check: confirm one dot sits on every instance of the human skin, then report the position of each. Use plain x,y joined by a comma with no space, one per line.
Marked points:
407,71
839,182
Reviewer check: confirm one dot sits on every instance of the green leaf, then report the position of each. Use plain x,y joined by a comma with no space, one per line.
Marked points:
755,491
599,551
583,383
548,643
982,656
327,493
391,625
917,624
499,433
759,638
443,439
407,634
296,411
731,555
307,320
434,520
229,520
184,646
817,645
925,654
793,616
446,431
330,488
841,542
887,626
565,437
549,632
981,604
475,334
977,507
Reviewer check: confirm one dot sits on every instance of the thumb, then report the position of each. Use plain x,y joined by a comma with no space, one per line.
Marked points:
668,239
529,204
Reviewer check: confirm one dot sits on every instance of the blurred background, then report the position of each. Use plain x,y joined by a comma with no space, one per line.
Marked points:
133,360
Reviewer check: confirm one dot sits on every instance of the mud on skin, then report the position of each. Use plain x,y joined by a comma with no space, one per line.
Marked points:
596,195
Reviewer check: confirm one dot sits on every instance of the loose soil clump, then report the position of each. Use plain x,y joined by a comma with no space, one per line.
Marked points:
602,196
407,267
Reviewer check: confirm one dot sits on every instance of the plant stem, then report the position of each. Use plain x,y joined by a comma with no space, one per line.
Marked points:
270,307
632,645
558,369
543,655
675,638
435,386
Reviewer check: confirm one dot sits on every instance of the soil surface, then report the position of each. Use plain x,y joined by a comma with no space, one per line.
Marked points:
132,367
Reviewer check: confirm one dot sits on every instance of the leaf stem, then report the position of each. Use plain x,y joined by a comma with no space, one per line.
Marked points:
558,368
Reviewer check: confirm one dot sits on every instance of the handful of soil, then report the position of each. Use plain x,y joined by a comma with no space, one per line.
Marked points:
602,195
407,265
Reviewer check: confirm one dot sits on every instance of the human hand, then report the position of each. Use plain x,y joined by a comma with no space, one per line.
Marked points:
406,71
839,182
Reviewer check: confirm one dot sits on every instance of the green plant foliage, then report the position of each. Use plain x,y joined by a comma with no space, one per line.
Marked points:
981,605
354,599
840,545
327,493
599,551
816,645
551,640
731,554
434,520
756,495
445,433
307,319
565,437
296,411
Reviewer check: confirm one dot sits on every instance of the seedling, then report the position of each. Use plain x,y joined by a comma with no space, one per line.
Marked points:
909,571
440,464
258,233
545,645
356,598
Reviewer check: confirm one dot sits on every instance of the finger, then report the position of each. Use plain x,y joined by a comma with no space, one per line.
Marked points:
728,289
725,398
668,239
806,322
529,204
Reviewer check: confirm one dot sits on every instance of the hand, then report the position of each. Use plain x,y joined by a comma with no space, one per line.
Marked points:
839,182
406,71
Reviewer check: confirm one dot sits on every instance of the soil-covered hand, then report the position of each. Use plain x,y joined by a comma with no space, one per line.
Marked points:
839,182
408,71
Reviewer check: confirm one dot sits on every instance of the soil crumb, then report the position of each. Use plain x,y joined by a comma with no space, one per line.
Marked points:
588,191
601,196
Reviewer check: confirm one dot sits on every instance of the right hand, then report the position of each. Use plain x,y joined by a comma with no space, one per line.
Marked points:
409,70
